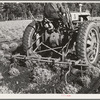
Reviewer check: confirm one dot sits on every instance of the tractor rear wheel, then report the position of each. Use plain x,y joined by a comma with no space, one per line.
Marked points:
29,37
88,43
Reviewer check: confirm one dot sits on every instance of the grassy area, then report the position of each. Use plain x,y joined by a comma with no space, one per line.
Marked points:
10,30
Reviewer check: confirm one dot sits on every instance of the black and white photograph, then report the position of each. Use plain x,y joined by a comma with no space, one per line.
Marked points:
49,47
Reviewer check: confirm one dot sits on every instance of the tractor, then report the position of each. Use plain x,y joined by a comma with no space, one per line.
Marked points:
77,46
42,38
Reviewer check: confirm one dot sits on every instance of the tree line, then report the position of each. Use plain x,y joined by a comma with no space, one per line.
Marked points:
13,11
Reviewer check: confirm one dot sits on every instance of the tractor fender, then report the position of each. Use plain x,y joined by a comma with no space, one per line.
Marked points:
32,24
36,25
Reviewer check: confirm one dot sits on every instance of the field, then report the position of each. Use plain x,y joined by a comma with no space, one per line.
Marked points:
37,78
10,30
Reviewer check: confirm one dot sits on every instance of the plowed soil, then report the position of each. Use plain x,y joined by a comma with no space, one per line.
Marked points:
38,78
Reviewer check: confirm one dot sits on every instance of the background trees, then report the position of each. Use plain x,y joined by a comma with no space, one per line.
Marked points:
13,11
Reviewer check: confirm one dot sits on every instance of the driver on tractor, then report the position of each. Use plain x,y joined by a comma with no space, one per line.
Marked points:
55,12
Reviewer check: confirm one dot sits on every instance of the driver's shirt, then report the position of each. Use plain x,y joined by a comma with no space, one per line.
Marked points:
51,10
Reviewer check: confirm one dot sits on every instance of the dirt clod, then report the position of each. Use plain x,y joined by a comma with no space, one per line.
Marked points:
1,77
86,81
69,89
1,54
93,72
13,46
5,46
14,72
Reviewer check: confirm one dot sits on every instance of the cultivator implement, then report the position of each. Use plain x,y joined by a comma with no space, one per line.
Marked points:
29,61
62,51
57,57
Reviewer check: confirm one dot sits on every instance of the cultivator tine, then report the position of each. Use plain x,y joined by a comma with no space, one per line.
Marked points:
29,63
66,75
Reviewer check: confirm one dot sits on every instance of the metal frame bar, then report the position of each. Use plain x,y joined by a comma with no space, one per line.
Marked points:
48,49
37,47
44,59
52,49
67,44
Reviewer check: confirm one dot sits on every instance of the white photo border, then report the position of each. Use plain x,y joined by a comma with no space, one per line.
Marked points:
49,96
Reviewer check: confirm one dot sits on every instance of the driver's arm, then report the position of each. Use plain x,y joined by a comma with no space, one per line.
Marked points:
61,8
